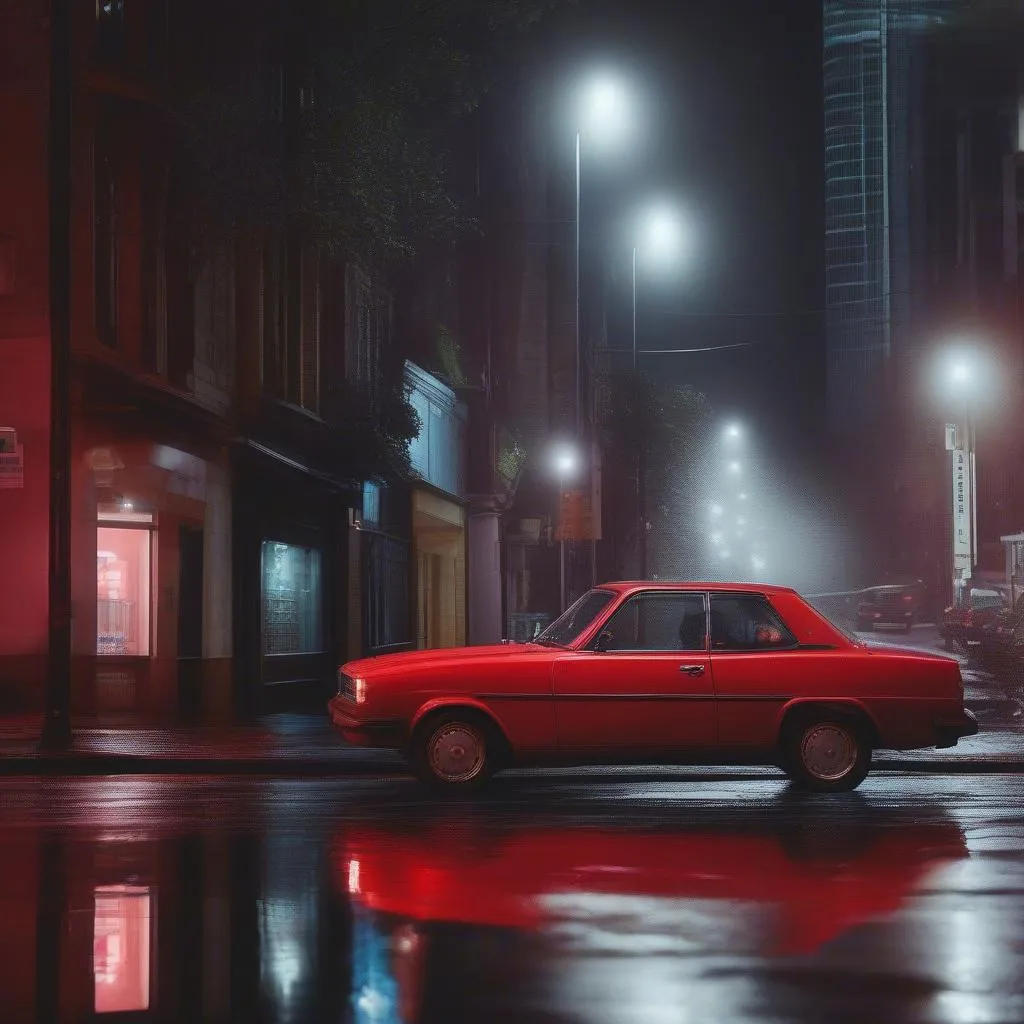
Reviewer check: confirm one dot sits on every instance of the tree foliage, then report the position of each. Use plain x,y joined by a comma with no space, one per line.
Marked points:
660,429
358,138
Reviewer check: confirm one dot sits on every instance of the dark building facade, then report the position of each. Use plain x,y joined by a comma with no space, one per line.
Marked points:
921,135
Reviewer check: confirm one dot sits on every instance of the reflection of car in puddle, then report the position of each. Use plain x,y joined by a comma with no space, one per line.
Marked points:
817,880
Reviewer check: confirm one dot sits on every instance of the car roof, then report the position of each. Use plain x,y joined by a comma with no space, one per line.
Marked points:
626,586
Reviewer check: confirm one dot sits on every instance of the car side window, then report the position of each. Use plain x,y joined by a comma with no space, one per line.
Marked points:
742,622
658,622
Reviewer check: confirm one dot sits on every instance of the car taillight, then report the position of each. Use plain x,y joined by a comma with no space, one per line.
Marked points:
908,598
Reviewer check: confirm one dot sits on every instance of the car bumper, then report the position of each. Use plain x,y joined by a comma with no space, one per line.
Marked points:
889,618
382,732
948,734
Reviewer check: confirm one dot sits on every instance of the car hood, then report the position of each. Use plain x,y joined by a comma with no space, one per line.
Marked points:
408,660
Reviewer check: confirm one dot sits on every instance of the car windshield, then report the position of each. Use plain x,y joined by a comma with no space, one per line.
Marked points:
576,619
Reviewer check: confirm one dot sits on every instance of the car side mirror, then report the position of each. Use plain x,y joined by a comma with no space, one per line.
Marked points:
603,641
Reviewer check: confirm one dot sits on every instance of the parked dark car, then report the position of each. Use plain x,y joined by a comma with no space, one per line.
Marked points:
893,605
1002,639
963,624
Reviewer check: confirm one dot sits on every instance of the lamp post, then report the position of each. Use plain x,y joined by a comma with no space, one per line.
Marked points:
565,461
961,375
661,238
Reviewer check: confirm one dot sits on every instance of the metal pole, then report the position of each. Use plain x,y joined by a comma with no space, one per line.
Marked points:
579,346
971,443
57,723
561,545
634,309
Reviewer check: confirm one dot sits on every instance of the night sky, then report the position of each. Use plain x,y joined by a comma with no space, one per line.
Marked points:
734,88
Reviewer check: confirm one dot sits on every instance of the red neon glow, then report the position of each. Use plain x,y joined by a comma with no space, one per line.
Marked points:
121,948
122,591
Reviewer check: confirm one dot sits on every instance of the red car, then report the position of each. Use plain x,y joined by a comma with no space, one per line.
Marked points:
506,879
658,673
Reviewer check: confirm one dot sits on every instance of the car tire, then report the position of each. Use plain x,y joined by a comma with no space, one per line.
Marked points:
826,753
455,751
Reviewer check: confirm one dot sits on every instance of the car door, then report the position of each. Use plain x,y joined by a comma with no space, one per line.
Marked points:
649,688
758,666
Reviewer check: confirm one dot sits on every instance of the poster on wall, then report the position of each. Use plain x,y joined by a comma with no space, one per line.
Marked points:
962,512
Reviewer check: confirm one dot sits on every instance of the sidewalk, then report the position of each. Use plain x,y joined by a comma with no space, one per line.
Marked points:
305,745
287,744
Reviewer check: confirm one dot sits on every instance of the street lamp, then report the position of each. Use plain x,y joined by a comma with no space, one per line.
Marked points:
565,460
662,239
733,432
603,114
960,371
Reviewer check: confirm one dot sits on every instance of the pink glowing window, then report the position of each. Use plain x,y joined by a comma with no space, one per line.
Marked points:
122,931
123,585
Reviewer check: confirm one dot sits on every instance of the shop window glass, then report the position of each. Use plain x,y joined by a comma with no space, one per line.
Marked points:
122,591
122,930
291,599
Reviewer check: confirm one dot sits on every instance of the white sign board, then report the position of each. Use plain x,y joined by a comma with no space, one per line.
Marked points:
962,512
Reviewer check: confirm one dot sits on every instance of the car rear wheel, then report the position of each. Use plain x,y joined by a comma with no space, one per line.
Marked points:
827,754
455,752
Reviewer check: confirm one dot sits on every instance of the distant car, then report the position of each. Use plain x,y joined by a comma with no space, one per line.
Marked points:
894,605
963,624
1002,638
669,673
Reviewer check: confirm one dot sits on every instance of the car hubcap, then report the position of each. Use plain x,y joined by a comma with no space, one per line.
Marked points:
828,752
456,752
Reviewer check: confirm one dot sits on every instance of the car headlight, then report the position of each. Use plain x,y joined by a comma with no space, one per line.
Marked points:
351,687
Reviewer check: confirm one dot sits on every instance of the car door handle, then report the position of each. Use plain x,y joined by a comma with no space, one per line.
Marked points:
692,670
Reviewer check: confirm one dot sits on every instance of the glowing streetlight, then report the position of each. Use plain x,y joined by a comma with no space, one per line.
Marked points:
743,495
734,467
565,460
716,511
964,372
661,239
733,432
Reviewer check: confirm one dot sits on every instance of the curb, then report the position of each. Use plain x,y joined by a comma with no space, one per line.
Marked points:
96,765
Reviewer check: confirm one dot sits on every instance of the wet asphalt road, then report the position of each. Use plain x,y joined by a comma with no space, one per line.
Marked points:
710,896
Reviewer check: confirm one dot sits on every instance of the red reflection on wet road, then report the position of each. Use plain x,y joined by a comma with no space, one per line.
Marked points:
820,885
121,948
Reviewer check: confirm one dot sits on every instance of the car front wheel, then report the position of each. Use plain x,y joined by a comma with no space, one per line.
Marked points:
826,754
454,752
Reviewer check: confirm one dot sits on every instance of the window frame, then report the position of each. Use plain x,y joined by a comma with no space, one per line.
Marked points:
702,594
322,618
107,521
795,645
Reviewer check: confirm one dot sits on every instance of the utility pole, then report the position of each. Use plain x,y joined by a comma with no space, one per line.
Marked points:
57,723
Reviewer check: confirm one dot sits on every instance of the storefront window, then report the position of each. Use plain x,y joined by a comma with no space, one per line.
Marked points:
122,930
291,599
123,591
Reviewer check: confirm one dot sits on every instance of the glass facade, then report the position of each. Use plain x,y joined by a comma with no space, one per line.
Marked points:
292,617
873,122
